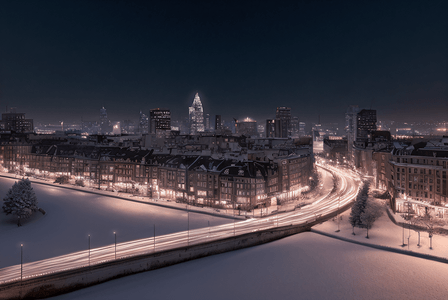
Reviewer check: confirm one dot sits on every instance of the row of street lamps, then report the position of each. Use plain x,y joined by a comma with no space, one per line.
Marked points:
115,242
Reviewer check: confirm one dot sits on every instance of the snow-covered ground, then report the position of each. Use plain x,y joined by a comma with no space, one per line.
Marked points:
385,233
304,266
73,215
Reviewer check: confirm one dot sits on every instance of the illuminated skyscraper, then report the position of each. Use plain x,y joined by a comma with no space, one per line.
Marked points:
207,122
270,128
218,122
143,123
196,116
365,124
159,121
283,122
104,122
351,125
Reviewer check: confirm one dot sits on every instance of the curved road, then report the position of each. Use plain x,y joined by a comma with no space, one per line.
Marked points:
324,204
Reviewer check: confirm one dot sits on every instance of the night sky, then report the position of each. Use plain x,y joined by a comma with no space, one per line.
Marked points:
63,60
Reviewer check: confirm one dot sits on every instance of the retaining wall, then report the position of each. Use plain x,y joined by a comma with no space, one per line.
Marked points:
67,281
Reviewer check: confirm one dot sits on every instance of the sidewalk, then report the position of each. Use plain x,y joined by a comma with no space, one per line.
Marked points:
387,236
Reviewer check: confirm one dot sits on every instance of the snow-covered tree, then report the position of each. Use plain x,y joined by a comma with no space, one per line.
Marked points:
358,207
372,211
20,200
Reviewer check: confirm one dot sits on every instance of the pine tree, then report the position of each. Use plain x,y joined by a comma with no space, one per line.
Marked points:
358,207
20,200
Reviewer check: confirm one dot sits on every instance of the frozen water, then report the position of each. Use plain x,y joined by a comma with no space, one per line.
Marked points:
73,215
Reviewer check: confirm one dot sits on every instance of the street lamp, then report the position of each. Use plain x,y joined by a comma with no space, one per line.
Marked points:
21,263
89,250
337,215
233,222
115,234
403,244
188,228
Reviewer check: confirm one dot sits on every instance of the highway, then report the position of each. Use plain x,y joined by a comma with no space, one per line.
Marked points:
328,202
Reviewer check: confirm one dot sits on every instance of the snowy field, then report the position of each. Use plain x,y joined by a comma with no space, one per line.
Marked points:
304,266
385,233
73,215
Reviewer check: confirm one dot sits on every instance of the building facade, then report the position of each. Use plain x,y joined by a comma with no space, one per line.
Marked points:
219,181
16,122
247,127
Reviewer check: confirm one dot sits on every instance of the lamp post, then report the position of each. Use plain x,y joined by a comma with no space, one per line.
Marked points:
277,218
403,237
21,263
409,223
403,244
188,228
337,215
89,250
233,222
115,234
430,240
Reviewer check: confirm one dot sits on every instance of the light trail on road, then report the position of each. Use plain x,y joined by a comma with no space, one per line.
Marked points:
346,191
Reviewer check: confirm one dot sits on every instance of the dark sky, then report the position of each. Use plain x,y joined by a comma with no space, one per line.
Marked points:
63,60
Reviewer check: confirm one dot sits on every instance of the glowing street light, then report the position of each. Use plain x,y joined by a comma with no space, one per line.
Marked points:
89,250
233,222
188,227
21,263
115,234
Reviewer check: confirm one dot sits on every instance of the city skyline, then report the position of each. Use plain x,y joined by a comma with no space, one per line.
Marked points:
64,61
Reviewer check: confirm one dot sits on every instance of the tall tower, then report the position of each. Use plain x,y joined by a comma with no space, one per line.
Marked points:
104,122
159,121
196,116
365,124
143,123
207,122
351,126
218,122
283,122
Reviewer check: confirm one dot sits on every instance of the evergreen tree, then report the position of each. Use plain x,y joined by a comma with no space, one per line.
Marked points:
20,200
358,207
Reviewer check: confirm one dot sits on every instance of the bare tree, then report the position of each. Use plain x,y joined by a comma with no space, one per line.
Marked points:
430,220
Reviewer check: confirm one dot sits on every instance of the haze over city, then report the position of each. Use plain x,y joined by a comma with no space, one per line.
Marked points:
64,60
